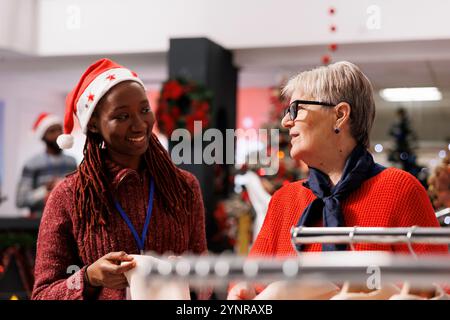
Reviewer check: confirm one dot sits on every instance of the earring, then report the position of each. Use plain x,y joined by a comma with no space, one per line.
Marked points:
103,146
337,130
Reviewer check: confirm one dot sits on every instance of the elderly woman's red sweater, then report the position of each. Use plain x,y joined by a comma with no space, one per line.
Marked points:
393,198
64,245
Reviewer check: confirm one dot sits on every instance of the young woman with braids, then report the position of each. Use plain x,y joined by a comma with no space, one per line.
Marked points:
127,196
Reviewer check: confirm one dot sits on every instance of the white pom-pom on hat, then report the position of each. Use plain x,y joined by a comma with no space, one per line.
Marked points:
65,141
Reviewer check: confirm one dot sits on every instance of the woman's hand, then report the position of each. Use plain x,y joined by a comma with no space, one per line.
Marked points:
297,290
242,291
108,271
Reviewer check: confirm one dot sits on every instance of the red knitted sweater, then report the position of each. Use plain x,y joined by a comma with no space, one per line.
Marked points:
63,243
393,198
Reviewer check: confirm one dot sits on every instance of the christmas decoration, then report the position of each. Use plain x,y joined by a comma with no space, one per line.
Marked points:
403,155
326,58
333,47
18,247
234,213
182,102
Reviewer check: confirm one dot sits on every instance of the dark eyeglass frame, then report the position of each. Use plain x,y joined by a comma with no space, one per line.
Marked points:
292,109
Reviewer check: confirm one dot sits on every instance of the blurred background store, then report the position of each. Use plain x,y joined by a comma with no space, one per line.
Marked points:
241,53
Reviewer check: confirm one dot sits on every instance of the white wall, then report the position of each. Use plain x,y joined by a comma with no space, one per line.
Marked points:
18,25
67,27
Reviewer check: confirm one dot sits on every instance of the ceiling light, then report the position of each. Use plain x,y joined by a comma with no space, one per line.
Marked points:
411,94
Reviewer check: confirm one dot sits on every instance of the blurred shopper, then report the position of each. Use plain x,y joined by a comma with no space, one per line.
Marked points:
126,197
42,172
329,118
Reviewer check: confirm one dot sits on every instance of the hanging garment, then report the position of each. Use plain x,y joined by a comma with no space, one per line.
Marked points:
439,294
384,293
298,290
142,287
259,197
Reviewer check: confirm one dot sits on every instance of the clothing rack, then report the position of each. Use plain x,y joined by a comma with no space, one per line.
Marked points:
354,266
335,266
350,235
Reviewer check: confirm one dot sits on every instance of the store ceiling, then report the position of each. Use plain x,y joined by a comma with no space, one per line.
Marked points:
415,63
394,64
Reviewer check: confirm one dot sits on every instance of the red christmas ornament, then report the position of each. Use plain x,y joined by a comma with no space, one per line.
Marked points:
326,59
331,11
333,28
333,47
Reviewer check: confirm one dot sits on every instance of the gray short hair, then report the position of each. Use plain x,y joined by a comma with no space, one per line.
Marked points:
340,82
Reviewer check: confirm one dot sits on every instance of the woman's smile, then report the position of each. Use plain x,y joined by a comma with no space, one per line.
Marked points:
138,141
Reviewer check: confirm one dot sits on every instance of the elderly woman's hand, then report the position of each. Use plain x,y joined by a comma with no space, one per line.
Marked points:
242,291
108,271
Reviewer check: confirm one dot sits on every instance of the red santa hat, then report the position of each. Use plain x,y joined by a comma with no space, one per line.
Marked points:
96,81
43,122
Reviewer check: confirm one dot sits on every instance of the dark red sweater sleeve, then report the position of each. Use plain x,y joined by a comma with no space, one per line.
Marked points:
197,239
58,270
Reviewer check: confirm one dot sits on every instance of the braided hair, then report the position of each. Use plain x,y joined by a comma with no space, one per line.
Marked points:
93,199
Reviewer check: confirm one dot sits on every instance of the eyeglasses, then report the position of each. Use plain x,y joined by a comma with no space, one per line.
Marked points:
293,108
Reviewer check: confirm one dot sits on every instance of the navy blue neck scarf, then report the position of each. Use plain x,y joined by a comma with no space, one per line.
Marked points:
358,168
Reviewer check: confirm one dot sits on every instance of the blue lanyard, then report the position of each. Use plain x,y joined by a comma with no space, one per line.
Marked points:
140,241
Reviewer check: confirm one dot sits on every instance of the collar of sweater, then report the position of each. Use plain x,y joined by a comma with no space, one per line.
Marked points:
118,173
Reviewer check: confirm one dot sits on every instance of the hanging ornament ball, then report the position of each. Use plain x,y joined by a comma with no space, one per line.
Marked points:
333,28
333,47
331,11
326,59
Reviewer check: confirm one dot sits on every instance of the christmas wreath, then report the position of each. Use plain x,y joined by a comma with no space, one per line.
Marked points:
181,102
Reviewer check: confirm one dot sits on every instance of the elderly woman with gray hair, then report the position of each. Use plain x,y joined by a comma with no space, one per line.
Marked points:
329,118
